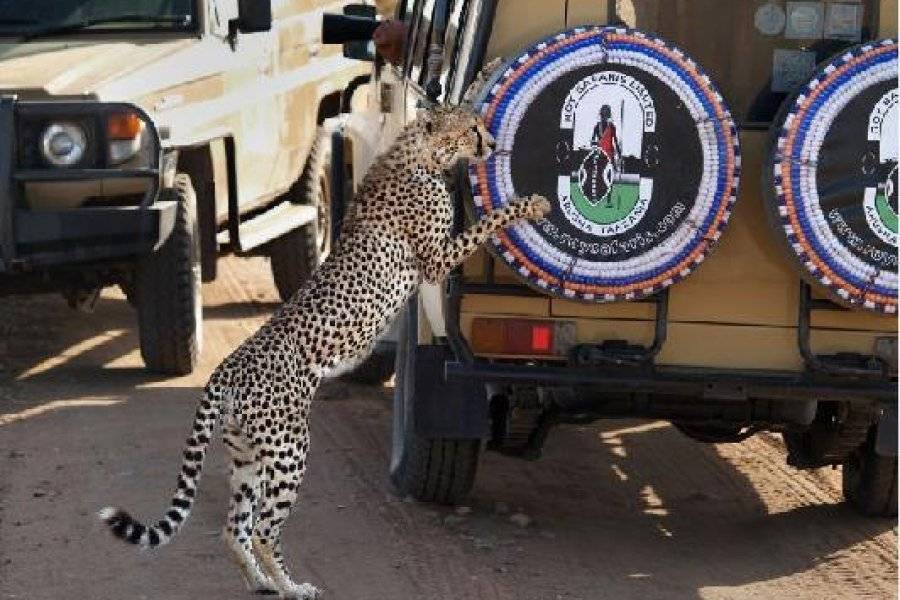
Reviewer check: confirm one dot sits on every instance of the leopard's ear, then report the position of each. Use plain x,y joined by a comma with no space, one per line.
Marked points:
480,79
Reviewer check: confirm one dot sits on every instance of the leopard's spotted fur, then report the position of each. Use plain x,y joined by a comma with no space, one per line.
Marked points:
397,234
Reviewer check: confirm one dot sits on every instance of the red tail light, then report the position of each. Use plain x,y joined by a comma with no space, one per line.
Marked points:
525,337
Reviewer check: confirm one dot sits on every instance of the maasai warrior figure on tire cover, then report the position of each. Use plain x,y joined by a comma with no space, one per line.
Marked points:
605,159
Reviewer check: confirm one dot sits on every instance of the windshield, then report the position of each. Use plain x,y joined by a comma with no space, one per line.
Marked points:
28,17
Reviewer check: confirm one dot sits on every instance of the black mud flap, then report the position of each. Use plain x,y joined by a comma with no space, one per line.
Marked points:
444,409
886,441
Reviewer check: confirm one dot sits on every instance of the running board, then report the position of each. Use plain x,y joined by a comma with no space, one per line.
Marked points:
265,227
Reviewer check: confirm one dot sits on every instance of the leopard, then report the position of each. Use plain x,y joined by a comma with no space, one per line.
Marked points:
398,233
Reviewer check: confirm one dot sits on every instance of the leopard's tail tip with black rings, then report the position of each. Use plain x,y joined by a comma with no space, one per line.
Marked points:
123,526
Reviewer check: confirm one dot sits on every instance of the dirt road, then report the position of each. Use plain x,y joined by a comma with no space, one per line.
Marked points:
620,510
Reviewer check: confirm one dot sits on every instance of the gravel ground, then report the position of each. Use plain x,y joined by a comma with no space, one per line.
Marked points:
621,509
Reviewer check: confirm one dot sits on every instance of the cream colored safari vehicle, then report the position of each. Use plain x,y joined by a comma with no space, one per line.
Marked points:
139,138
626,114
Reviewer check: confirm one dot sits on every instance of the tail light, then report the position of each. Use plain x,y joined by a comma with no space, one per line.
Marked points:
522,337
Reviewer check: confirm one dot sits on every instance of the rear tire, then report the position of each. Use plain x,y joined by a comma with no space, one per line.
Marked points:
293,259
297,254
428,469
168,291
870,480
838,429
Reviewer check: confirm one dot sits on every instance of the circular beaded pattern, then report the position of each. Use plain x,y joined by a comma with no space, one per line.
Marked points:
634,147
833,177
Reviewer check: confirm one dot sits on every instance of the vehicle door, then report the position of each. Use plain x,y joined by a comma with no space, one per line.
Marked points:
247,105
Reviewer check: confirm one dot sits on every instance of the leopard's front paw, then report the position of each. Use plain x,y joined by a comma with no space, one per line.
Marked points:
536,206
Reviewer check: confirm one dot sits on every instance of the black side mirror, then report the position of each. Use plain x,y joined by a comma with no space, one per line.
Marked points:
254,16
353,31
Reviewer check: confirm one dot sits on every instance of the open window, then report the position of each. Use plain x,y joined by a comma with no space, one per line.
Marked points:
422,36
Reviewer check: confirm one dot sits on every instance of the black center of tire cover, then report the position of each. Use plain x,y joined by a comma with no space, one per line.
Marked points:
633,146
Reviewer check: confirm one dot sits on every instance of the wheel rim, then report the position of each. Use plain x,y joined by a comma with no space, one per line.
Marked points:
323,219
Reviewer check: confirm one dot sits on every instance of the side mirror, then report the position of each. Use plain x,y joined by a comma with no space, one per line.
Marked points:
254,16
353,32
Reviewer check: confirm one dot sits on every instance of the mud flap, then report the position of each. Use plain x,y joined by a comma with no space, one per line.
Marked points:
442,409
886,441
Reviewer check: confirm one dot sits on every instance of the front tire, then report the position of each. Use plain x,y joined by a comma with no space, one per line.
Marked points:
168,291
870,480
428,469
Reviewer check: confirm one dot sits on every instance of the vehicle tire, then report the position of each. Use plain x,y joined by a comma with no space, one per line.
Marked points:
206,217
838,429
293,260
377,369
870,480
428,469
168,291
295,255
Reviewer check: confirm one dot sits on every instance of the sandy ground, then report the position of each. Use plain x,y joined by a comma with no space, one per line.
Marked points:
622,509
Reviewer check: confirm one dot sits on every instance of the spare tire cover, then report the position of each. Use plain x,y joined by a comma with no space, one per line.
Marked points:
833,177
635,149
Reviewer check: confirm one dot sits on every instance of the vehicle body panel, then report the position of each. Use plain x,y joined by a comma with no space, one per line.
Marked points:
264,94
740,309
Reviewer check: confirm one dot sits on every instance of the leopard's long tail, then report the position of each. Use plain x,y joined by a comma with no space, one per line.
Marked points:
125,527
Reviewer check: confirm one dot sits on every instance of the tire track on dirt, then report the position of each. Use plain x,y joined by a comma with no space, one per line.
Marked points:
434,561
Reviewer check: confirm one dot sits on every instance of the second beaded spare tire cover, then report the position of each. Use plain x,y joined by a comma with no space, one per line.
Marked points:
633,145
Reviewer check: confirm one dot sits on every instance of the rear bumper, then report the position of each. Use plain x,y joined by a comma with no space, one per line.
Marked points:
711,384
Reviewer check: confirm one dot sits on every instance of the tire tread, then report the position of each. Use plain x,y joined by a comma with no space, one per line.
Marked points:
165,291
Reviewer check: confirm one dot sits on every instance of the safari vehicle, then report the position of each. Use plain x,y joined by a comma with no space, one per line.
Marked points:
140,138
750,339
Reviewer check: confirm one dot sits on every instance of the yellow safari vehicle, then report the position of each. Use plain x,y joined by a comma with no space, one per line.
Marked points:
139,137
722,252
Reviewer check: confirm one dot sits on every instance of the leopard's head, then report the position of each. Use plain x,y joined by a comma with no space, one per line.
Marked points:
454,132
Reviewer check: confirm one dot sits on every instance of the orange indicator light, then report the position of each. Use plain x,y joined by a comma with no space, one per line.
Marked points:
123,126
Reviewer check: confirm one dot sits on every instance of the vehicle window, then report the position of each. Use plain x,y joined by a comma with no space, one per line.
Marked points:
757,51
423,32
36,16
471,27
453,43
403,10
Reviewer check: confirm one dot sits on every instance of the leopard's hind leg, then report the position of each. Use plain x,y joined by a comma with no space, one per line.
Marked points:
246,486
283,475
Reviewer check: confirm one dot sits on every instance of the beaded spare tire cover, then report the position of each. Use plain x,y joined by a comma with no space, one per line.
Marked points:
832,179
633,146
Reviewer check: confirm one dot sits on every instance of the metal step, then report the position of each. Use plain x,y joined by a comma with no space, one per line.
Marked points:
272,224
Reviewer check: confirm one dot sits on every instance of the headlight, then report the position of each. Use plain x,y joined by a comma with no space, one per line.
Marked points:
125,132
63,144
